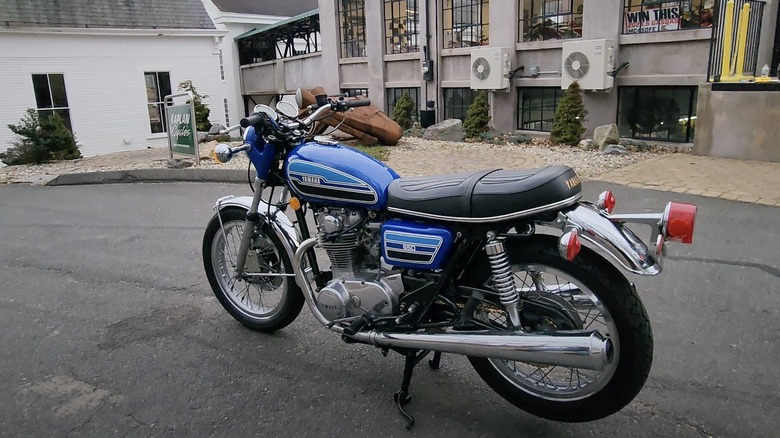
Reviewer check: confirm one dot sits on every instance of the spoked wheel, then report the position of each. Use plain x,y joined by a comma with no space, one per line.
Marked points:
587,294
262,303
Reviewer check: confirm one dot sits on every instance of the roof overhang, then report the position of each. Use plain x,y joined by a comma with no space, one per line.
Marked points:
279,24
117,32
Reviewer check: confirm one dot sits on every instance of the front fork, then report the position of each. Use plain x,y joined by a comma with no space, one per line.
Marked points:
252,218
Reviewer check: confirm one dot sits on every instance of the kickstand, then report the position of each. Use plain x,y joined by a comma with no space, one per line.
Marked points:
436,361
402,397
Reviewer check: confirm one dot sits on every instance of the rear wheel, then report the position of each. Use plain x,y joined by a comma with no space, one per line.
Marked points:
586,294
262,303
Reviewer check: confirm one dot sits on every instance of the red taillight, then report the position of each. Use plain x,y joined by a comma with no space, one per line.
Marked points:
606,201
678,222
569,245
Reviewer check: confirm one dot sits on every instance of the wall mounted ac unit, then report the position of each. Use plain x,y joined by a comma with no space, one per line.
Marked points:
490,68
588,62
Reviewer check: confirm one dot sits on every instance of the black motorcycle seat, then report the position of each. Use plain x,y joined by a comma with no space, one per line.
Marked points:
485,195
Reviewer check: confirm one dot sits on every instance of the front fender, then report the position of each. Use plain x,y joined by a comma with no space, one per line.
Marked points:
612,239
279,222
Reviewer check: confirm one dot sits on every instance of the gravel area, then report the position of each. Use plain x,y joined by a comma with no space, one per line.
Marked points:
412,156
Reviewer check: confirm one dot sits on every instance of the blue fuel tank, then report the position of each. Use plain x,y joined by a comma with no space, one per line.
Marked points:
332,174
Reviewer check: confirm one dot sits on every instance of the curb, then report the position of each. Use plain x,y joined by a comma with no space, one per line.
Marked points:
149,175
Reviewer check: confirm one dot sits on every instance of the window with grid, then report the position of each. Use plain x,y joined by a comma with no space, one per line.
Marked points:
457,102
393,94
659,113
355,92
466,23
536,108
402,26
551,19
221,66
51,97
352,16
158,85
643,16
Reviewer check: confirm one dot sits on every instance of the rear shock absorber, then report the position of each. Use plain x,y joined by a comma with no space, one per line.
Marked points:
502,277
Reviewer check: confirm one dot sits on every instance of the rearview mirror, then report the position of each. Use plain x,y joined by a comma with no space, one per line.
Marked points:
299,98
260,108
287,108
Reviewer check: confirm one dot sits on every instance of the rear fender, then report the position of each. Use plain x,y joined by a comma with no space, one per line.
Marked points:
611,239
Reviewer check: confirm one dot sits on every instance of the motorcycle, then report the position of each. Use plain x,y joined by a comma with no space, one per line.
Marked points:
511,268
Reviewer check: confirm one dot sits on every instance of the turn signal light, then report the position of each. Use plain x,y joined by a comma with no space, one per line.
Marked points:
606,201
569,245
678,222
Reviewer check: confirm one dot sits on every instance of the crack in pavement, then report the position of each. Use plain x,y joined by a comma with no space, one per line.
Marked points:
771,270
654,409
99,282
104,226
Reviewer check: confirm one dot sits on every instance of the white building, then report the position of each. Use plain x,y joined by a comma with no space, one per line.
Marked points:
105,66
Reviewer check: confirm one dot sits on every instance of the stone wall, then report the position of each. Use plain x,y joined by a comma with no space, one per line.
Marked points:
738,124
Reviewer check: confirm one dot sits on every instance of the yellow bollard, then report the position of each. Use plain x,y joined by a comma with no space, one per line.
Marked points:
744,19
728,24
733,69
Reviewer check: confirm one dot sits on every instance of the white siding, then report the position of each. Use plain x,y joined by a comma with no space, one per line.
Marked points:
104,79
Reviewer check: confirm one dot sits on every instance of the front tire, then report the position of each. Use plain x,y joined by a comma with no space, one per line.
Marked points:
588,395
264,304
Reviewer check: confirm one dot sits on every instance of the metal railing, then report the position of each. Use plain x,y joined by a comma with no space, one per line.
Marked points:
741,36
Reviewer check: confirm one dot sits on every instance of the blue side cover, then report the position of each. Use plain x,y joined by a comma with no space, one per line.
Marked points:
408,244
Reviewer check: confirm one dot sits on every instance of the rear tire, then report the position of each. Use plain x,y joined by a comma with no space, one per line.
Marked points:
278,299
633,340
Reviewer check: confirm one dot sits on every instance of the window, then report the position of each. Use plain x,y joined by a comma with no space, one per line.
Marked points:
353,28
466,23
401,26
355,92
552,19
537,108
227,113
394,94
659,113
642,16
457,101
158,85
221,66
50,96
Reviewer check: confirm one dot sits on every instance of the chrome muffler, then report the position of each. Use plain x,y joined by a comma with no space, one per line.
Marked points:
588,350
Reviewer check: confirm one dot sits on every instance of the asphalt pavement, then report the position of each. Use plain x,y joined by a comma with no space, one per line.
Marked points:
109,328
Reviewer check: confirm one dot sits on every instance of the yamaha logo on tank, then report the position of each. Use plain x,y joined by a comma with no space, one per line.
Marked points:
323,182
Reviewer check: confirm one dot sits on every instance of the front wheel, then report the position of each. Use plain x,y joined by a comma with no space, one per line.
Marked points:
586,294
262,303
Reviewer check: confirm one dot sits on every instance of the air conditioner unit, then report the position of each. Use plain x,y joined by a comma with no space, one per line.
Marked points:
490,68
588,62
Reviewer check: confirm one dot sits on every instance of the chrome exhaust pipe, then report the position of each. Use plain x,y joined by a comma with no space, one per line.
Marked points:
575,349
588,350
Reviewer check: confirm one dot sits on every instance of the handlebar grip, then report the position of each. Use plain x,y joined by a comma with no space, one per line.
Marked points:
357,103
252,120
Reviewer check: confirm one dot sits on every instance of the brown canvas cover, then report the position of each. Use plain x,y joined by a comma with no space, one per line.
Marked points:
368,123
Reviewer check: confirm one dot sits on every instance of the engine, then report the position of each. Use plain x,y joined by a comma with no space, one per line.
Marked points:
352,242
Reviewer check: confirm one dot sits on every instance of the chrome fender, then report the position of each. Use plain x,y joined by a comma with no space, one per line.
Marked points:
279,222
611,238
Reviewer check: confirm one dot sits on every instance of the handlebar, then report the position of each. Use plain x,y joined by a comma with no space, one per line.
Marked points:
224,153
230,129
252,120
334,105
